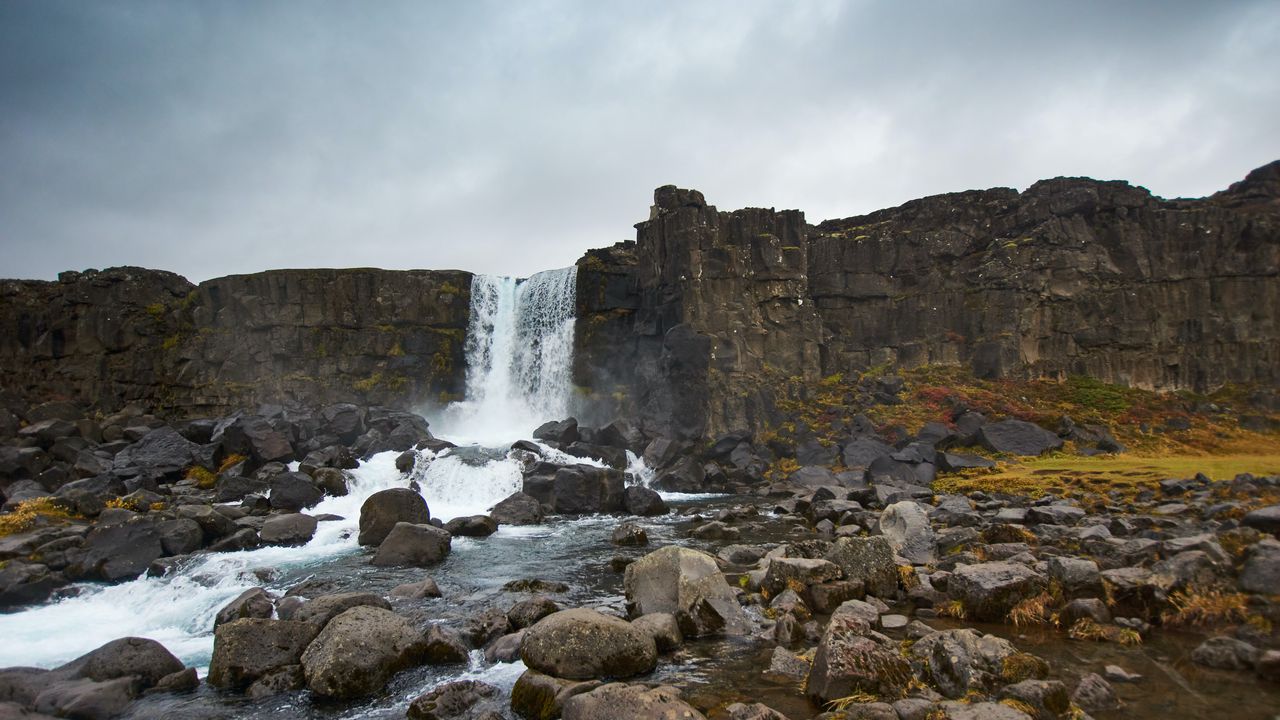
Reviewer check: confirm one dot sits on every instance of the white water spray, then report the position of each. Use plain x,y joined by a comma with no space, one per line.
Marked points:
519,358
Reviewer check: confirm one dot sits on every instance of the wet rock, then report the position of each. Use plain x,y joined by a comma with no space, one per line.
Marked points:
989,590
619,701
385,508
527,612
1119,674
294,491
1091,608
1134,592
23,583
847,661
786,667
145,662
716,530
321,610
629,535
1094,694
288,529
541,697
1017,437
457,700
583,489
359,650
581,644
517,509
753,711
1269,666
663,628
472,526
180,681
245,539
688,584
505,649
332,481
561,432
444,647
1049,698
906,525
85,699
1261,570
867,561
413,545
1225,653
741,554
535,585
213,524
487,626
246,650
281,680
644,502
962,660
252,603
417,591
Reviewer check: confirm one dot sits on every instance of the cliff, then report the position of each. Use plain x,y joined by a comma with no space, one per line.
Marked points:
105,339
1071,277
688,327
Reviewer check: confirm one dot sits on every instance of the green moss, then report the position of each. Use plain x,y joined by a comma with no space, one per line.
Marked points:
170,342
156,310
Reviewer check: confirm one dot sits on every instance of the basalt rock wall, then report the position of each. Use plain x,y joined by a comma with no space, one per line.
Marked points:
124,335
1071,276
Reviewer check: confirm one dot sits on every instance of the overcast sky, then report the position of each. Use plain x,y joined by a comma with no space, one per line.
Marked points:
212,138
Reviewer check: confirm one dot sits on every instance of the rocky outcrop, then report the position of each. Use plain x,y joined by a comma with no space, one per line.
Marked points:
111,337
1071,276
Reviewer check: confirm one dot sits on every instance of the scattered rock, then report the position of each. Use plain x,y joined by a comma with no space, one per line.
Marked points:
359,650
413,545
582,644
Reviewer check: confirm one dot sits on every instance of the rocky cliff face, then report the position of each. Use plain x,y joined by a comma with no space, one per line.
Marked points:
125,335
1072,276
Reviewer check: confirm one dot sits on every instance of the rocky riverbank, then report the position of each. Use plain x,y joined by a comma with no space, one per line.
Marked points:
859,585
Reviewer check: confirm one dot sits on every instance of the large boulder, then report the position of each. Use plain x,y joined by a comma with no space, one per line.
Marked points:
120,552
536,696
321,610
414,545
1261,570
581,644
642,501
143,659
83,699
1266,519
962,660
359,650
619,701
383,509
247,649
848,661
161,452
583,489
688,584
906,525
989,591
252,603
294,491
517,509
868,561
253,436
288,529
1018,437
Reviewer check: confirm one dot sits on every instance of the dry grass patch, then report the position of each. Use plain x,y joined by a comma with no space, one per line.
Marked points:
1203,607
29,512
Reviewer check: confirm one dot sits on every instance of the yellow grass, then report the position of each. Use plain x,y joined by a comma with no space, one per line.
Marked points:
28,512
1060,473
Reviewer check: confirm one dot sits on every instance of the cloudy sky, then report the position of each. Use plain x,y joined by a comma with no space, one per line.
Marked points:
212,138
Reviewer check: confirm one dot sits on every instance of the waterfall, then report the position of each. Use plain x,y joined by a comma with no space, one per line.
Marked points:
519,358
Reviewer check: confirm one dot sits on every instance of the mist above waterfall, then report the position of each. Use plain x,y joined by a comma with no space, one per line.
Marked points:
519,358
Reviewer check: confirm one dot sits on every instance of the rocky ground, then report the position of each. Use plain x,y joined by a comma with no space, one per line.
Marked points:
878,589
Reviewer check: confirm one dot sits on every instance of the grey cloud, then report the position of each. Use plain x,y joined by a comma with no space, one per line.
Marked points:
214,138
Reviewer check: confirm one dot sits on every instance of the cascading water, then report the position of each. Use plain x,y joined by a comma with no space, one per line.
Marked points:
519,358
